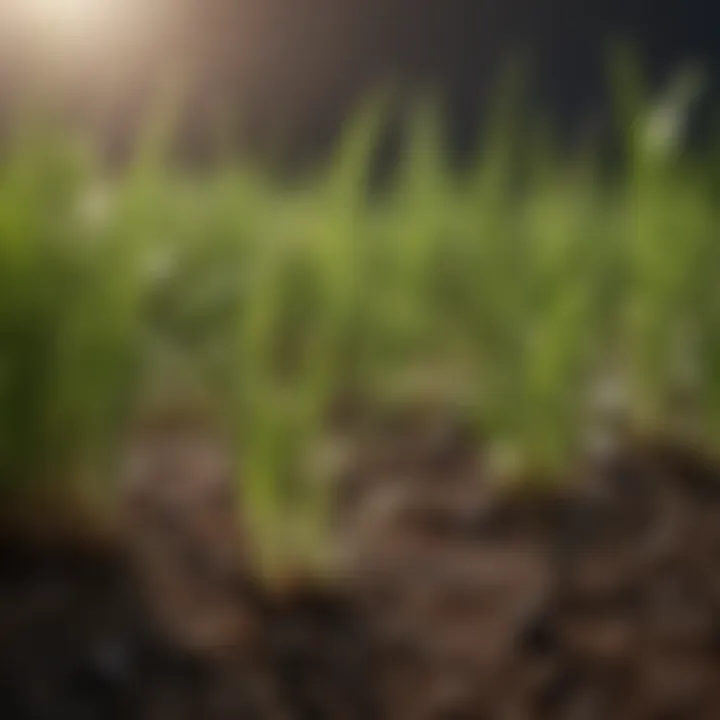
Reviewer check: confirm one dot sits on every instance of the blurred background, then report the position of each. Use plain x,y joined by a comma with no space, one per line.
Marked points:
284,73
273,446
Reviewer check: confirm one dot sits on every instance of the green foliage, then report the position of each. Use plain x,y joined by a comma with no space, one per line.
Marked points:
519,286
68,315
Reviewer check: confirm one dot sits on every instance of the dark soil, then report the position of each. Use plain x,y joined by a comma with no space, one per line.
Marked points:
455,599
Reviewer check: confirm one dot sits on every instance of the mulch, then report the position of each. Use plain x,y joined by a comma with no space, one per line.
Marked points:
456,598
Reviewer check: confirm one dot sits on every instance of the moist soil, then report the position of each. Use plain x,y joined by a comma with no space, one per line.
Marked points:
454,598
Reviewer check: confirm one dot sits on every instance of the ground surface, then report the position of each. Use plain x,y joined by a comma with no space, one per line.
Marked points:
457,600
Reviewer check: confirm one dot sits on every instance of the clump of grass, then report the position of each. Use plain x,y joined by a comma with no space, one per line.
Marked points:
524,286
75,268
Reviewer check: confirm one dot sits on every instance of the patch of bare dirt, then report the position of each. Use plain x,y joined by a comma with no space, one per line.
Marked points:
596,600
456,597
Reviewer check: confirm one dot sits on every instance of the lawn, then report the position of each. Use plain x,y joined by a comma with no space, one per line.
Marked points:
556,306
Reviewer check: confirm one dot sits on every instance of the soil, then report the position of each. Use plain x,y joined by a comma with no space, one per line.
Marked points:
455,598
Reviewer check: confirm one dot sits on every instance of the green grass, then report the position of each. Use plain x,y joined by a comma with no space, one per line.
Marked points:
519,287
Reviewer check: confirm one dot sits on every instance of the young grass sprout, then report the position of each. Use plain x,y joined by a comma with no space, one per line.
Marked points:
280,300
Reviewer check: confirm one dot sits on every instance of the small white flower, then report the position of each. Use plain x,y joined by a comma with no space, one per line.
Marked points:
664,129
95,205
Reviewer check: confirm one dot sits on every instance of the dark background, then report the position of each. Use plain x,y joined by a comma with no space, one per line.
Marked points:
292,69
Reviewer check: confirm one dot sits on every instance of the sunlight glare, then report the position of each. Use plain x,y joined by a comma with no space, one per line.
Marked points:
71,20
